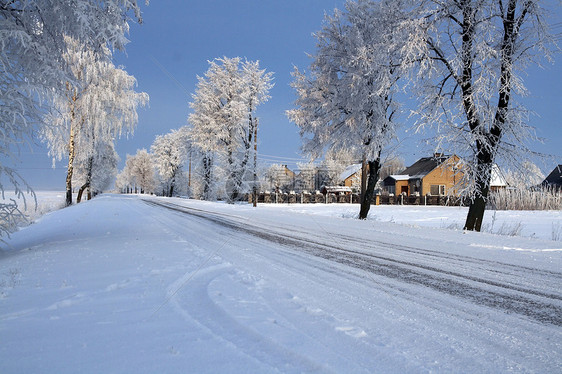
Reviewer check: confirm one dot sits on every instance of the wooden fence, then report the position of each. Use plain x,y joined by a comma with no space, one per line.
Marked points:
319,198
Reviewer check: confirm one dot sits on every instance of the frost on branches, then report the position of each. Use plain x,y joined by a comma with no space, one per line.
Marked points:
224,122
32,68
466,59
97,108
169,153
138,176
345,102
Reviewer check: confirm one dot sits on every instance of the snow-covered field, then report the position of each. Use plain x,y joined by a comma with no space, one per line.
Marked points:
532,224
144,285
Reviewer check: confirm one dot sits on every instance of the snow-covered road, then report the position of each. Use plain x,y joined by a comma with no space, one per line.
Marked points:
124,284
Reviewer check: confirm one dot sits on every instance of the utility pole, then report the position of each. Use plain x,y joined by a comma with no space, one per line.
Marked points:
255,189
189,175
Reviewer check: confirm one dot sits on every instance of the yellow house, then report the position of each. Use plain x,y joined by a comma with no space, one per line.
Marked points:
351,177
438,175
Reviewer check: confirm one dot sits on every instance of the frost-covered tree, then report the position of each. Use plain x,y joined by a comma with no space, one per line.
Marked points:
124,181
391,166
96,108
258,84
526,176
31,65
346,101
277,177
169,152
139,169
335,162
96,173
223,117
467,58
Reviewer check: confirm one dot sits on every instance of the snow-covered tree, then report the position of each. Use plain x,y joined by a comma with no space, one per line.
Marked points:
139,171
346,101
526,176
124,181
467,58
393,165
277,177
335,163
258,83
223,117
169,152
307,172
98,107
31,65
95,174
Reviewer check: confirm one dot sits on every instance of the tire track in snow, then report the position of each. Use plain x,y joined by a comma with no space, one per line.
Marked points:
194,303
540,306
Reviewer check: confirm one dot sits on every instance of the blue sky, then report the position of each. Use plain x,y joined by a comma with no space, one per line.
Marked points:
177,39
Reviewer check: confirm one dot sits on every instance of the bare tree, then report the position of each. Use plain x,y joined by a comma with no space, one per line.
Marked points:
467,56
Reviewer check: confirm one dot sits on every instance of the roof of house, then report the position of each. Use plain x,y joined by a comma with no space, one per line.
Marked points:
424,166
349,171
334,189
497,179
400,177
555,177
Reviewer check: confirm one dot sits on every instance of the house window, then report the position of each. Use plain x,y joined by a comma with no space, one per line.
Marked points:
437,189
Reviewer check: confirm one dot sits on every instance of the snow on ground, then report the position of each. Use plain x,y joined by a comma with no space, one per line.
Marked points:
533,224
143,285
36,206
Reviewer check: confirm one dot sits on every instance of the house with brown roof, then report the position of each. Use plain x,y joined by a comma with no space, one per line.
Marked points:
438,175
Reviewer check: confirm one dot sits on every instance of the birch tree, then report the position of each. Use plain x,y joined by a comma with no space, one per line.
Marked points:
346,101
98,107
96,173
31,65
223,117
466,58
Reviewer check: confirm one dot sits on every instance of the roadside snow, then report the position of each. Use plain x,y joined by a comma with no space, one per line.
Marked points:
533,224
119,284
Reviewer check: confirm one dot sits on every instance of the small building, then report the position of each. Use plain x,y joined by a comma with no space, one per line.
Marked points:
554,179
438,175
497,182
281,177
351,177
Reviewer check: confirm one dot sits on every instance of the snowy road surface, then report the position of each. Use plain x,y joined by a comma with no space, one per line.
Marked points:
128,284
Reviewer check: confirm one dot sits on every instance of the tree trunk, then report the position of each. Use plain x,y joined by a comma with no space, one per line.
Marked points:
207,176
477,206
367,196
80,192
486,146
71,154
363,177
255,186
88,182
